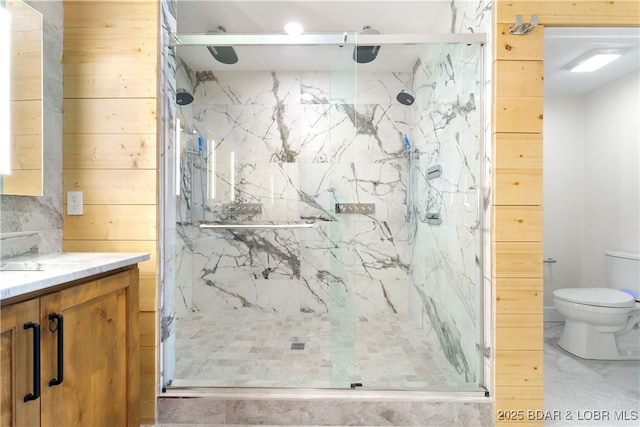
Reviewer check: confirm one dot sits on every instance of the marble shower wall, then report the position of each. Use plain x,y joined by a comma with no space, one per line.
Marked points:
297,157
446,265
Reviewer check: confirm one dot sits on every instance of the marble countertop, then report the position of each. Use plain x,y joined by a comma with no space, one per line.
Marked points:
29,273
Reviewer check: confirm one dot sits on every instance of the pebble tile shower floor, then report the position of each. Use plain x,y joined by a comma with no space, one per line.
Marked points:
251,349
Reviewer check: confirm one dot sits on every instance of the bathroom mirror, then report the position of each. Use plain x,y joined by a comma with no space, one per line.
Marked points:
25,101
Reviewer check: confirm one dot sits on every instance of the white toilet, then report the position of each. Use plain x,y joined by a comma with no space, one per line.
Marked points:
603,323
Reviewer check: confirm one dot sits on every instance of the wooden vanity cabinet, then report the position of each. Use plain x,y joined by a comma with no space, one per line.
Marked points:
100,355
16,365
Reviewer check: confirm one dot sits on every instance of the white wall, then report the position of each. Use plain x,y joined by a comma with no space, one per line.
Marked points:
612,159
563,191
591,182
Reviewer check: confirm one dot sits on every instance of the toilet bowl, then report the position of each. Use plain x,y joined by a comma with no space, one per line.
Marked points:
596,319
604,323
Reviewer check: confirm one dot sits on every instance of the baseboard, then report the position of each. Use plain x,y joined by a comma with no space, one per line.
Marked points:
551,315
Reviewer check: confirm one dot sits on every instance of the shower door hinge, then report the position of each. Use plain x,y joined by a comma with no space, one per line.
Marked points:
354,385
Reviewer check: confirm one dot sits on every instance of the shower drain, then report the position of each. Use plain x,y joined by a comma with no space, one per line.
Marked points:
297,346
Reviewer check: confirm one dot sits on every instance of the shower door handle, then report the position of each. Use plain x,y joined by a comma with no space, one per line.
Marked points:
476,225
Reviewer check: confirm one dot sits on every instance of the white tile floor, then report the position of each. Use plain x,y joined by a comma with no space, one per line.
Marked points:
579,392
245,348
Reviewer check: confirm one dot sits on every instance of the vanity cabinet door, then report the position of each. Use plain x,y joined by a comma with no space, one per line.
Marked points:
100,385
17,357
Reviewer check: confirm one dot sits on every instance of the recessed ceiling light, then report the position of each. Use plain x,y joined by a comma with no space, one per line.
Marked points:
293,28
593,60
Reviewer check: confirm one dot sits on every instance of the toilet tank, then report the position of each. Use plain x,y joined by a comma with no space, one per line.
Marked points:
623,272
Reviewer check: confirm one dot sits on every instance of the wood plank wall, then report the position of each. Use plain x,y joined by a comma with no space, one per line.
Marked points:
110,144
517,233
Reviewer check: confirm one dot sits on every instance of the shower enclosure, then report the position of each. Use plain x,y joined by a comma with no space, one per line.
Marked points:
322,216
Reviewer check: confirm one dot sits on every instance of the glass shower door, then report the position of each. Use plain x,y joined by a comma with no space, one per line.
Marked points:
326,233
447,259
263,292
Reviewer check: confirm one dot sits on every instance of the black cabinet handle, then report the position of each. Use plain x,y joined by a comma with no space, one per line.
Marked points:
60,330
36,361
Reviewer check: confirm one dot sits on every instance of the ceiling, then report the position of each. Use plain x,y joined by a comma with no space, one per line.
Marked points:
563,45
316,16
388,17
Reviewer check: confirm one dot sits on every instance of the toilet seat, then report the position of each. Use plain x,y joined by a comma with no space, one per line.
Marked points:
597,297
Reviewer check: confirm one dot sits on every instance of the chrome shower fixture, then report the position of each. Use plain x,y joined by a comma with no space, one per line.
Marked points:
364,54
223,54
183,97
407,98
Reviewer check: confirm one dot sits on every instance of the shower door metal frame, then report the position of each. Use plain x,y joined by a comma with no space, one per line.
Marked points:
353,39
322,39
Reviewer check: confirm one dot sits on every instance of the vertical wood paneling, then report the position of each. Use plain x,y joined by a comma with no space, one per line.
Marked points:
519,332
517,228
521,78
517,187
517,114
518,259
110,116
103,187
111,54
518,150
561,13
149,383
517,223
517,159
518,295
112,222
520,369
125,151
26,152
512,47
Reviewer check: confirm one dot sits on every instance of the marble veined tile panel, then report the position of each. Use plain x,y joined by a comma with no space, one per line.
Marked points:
259,87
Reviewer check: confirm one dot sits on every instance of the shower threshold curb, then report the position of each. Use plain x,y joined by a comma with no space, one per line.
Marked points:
328,407
263,393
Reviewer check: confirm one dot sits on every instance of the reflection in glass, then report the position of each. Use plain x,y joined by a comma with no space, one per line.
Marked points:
25,98
211,165
5,111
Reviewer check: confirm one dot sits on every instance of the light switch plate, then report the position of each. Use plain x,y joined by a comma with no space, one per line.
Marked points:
74,203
